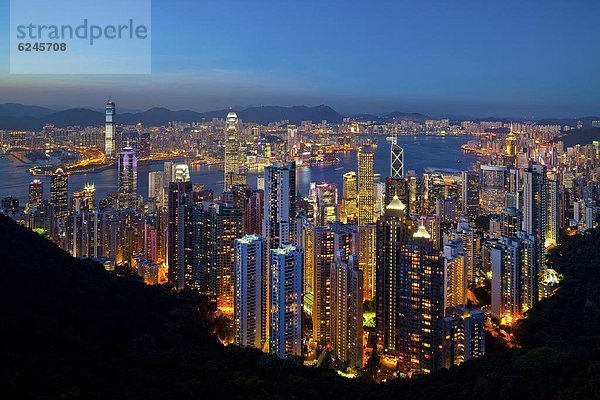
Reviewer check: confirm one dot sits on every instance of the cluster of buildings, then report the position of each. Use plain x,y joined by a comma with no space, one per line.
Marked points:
294,274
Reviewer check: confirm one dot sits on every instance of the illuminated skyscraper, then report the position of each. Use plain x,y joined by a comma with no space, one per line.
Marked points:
326,205
396,160
392,234
109,130
367,258
286,301
347,310
493,188
234,154
554,213
420,308
182,173
178,196
292,138
535,209
349,198
59,193
127,179
250,291
280,204
511,221
470,194
455,275
366,188
36,193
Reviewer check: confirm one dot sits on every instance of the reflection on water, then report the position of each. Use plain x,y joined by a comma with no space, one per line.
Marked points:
420,152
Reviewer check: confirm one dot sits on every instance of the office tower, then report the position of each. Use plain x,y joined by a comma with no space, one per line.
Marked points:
396,161
182,173
305,238
85,233
59,189
366,188
324,250
367,259
36,193
250,291
464,336
156,186
455,275
253,217
177,195
535,209
471,246
145,145
226,225
513,196
445,210
234,154
151,237
86,199
286,301
554,213
349,198
292,137
396,187
514,277
109,130
420,305
493,188
169,172
392,234
326,205
280,204
470,194
511,144
127,179
511,221
347,310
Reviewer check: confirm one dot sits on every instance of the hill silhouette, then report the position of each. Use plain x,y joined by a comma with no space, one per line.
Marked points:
71,330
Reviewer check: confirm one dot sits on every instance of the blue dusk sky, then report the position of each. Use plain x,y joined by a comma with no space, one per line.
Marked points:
507,58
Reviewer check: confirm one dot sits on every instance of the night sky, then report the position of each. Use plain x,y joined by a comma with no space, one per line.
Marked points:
481,58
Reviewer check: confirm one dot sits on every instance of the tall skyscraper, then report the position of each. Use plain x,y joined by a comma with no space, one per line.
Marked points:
250,291
109,130
280,204
292,138
554,213
535,209
367,259
366,188
286,301
455,275
392,234
127,178
36,193
396,160
234,153
420,306
347,310
349,198
470,194
178,196
59,193
493,188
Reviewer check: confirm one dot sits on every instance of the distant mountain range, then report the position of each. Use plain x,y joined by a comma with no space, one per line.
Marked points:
23,117
15,116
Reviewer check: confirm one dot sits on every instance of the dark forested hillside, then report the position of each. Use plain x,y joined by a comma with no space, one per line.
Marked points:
70,330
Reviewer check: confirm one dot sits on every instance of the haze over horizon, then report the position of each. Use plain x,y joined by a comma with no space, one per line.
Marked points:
508,59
